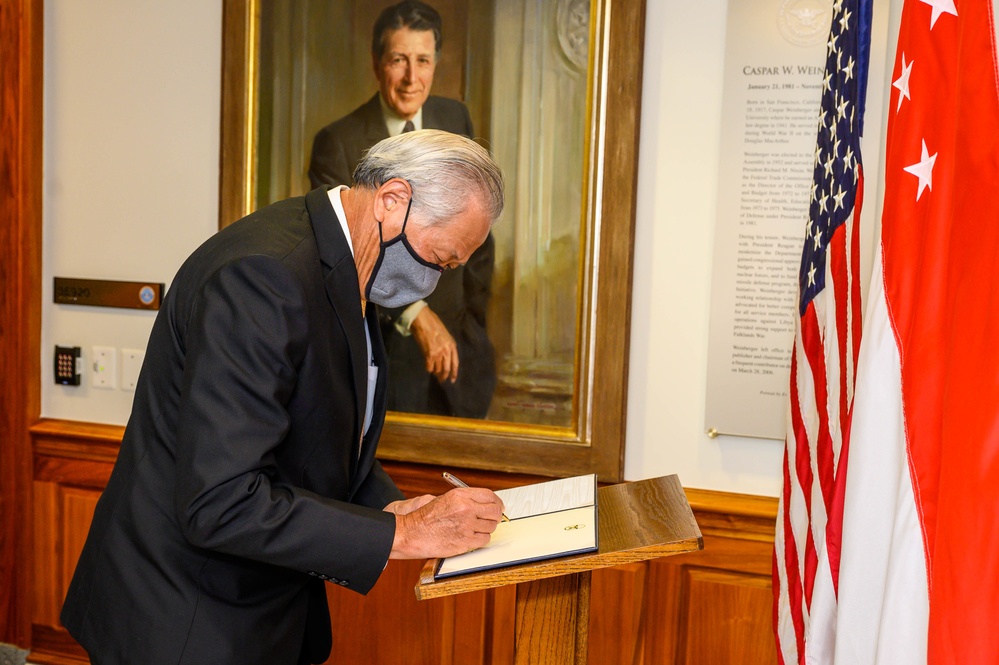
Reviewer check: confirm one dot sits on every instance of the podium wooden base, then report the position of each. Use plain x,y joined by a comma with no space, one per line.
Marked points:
553,616
638,521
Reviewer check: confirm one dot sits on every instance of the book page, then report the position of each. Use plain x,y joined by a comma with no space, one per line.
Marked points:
549,497
530,539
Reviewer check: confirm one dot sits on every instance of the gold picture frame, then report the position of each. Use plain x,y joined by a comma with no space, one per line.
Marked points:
595,441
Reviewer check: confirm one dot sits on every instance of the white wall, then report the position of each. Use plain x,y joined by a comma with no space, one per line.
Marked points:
677,190
131,167
131,130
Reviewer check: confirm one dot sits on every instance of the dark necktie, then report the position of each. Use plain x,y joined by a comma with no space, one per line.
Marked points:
408,127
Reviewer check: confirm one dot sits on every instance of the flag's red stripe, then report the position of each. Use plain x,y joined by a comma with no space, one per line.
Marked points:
776,591
834,522
791,559
841,287
803,452
815,354
855,300
838,259
822,452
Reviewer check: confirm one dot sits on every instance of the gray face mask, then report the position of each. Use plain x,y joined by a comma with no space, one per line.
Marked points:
400,277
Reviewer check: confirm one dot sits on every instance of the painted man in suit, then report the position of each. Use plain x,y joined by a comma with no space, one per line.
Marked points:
440,356
247,476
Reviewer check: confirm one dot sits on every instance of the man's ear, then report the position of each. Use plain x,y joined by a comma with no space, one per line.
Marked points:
391,202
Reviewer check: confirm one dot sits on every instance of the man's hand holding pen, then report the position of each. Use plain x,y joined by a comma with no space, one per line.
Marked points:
455,481
452,523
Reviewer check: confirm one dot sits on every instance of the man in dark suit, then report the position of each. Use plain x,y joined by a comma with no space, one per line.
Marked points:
440,356
247,474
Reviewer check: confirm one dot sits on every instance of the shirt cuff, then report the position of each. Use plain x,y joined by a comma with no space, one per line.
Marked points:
405,320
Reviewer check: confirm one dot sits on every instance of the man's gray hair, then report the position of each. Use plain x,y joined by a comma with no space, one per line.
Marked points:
445,170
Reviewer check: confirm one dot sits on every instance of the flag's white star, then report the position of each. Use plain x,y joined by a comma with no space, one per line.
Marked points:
826,85
815,187
844,20
848,159
828,166
841,109
822,202
838,197
940,7
831,45
923,170
902,82
848,70
811,274
817,238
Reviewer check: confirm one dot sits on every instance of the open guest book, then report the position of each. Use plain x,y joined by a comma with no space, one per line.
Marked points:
547,520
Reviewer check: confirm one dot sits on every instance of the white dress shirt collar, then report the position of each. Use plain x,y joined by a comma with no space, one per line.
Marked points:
394,123
334,195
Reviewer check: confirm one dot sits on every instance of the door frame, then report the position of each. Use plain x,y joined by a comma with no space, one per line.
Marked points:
21,118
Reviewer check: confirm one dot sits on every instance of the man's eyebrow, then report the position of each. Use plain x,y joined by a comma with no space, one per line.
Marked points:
391,52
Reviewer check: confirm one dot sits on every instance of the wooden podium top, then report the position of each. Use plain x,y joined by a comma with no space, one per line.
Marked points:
641,520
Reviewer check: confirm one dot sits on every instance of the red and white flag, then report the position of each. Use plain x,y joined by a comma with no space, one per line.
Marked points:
919,577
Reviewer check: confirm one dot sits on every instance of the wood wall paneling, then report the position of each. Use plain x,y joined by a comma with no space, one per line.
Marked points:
395,628
724,603
715,601
617,600
712,606
71,467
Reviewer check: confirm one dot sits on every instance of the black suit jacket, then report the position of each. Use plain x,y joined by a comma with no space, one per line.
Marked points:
239,485
462,295
339,146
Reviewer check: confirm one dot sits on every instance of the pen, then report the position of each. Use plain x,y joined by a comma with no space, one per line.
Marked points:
458,482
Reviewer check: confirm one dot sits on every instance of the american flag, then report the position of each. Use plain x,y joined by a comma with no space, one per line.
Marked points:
824,358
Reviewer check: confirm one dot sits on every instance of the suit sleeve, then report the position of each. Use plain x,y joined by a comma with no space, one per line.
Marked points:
471,395
246,336
468,131
378,490
329,164
478,279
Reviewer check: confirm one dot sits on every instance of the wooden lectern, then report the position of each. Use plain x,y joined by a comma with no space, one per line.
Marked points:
637,521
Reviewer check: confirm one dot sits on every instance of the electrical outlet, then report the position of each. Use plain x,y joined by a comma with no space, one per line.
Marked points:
131,363
104,367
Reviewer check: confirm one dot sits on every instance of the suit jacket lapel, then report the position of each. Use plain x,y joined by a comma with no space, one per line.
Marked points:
431,119
374,122
343,294
370,440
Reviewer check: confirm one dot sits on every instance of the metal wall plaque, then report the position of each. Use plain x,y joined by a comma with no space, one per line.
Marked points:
107,293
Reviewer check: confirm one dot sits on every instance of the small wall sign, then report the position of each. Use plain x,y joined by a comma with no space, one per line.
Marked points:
107,293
